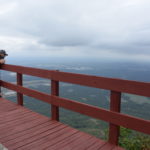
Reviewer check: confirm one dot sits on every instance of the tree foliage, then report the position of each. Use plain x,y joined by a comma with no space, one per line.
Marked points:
132,140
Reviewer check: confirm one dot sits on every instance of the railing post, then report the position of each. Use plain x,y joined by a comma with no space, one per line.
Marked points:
19,95
0,83
55,92
114,130
0,89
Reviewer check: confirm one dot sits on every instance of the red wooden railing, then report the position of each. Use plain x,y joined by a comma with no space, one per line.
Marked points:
116,86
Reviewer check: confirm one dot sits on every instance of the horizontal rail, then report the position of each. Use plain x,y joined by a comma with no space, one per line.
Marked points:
26,91
43,73
119,85
93,111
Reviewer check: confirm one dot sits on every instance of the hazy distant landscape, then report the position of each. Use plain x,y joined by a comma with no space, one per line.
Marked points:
131,104
102,38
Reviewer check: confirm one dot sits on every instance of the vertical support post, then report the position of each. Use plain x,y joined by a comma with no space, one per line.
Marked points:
55,92
0,90
19,95
0,82
114,130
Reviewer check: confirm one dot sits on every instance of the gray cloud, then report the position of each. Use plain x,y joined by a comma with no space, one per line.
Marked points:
106,28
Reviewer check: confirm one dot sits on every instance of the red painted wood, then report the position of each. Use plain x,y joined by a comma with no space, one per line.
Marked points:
40,138
25,132
19,95
0,90
114,117
107,146
15,112
56,139
97,145
28,71
23,127
93,111
103,114
29,92
114,130
7,110
55,92
16,117
85,144
41,133
50,126
17,122
77,142
120,85
66,141
0,84
32,129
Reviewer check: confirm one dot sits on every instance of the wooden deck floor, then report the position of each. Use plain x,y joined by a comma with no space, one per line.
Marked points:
23,129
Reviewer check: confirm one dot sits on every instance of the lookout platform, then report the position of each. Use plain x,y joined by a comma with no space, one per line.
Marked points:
23,129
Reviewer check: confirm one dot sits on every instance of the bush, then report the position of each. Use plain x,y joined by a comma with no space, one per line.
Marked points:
132,140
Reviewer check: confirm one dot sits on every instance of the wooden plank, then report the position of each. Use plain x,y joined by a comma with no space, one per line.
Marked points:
97,145
29,92
8,109
24,127
55,92
19,107
31,134
43,73
66,141
114,130
13,123
107,146
7,104
0,87
13,118
3,102
19,95
120,85
38,140
89,142
3,106
13,113
7,127
93,111
77,142
33,128
59,138
37,134
8,114
103,114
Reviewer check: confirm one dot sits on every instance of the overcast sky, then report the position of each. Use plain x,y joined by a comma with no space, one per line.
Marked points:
98,29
